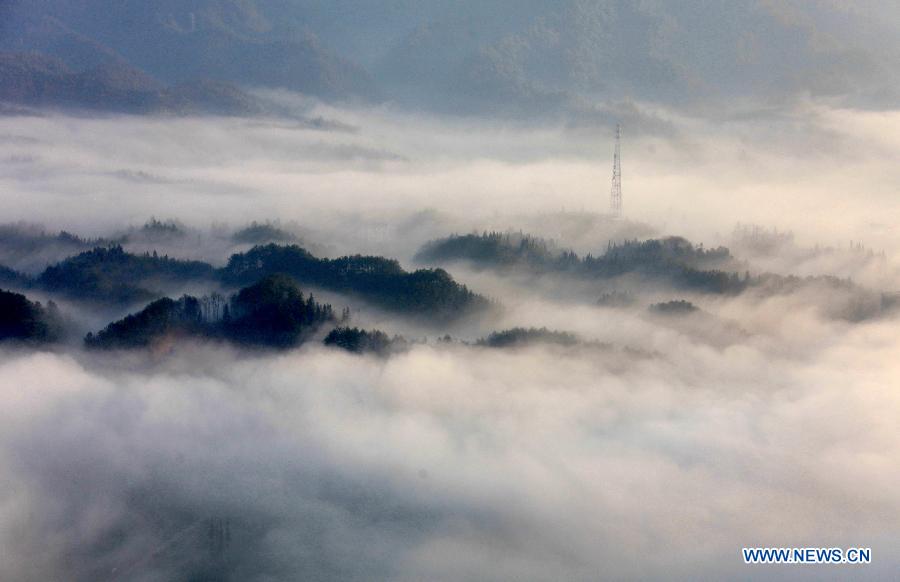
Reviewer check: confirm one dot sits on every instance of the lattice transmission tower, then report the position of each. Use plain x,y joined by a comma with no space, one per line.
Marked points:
615,196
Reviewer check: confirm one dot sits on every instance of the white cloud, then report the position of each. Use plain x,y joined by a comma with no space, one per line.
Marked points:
459,463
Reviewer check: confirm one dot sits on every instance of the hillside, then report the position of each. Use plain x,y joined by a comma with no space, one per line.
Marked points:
512,58
27,321
35,79
112,275
183,42
272,312
430,293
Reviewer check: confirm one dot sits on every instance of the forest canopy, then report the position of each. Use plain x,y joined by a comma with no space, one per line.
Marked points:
361,341
111,274
268,307
24,320
431,293
272,312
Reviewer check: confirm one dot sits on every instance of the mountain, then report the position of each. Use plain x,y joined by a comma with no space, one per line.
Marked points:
425,293
272,312
112,275
177,42
535,55
521,58
34,79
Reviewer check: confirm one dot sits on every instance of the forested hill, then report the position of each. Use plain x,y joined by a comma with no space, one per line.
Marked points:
383,282
110,275
11,277
36,80
492,250
113,275
509,249
28,321
673,259
272,312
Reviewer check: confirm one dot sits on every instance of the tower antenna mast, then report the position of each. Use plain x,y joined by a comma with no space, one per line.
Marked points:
615,196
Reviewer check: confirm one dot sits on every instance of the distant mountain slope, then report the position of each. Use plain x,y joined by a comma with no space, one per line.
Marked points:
501,57
227,40
34,79
528,56
22,30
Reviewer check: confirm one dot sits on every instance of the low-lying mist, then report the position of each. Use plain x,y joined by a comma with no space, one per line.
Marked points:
395,180
450,463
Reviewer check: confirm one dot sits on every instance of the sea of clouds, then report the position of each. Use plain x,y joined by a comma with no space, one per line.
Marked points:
760,422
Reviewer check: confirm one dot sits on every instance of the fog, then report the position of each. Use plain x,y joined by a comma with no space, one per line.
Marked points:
451,464
827,175
656,453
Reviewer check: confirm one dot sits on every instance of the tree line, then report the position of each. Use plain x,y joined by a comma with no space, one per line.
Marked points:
112,275
28,321
273,312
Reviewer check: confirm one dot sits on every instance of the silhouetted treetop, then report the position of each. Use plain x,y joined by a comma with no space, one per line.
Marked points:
162,318
156,229
27,238
360,341
260,233
24,320
12,278
490,249
674,259
273,312
616,299
675,307
520,336
383,282
111,274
